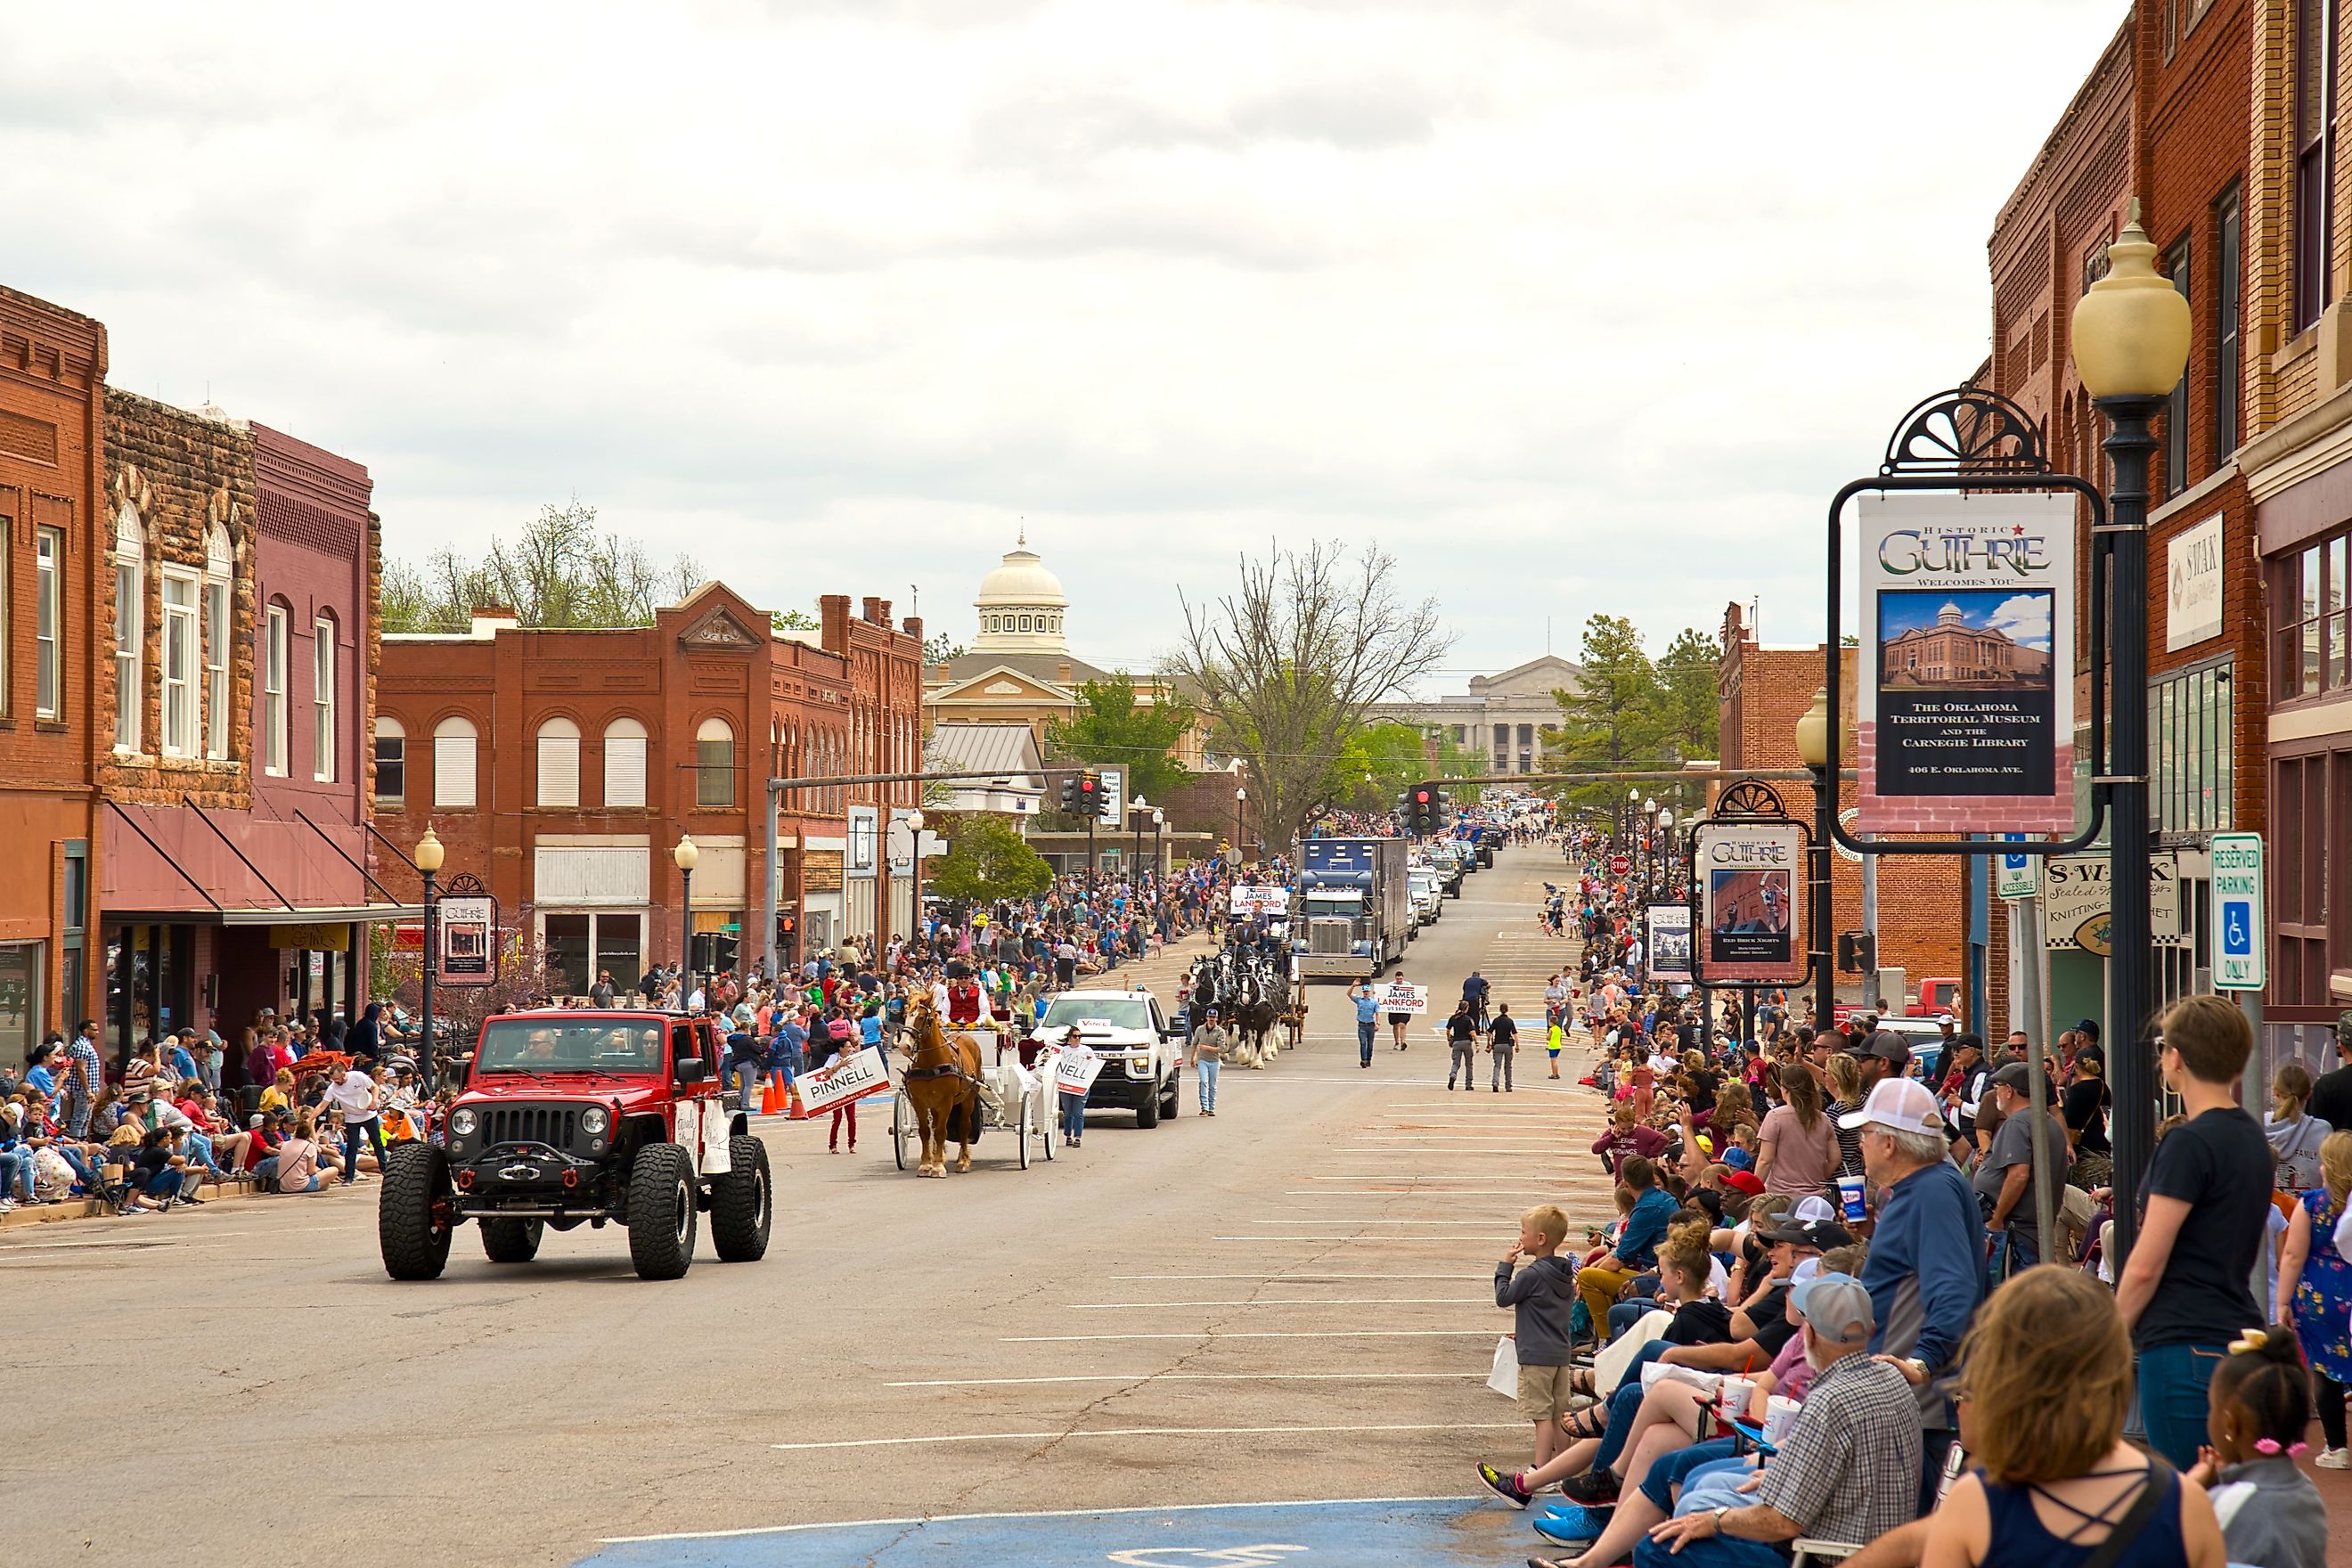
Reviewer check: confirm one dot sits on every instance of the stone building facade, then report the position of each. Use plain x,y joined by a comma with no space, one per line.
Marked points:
52,484
1502,722
238,615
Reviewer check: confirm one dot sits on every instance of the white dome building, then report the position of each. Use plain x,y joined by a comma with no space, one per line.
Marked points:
1021,606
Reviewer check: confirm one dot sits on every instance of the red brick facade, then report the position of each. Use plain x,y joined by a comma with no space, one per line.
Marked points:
576,838
1764,692
52,442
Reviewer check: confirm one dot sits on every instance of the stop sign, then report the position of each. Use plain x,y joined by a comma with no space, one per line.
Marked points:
1621,865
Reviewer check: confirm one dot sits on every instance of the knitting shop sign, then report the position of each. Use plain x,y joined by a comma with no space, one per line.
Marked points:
1747,903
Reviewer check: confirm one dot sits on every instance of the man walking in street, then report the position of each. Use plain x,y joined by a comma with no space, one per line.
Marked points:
1462,1041
1503,1040
1474,991
1210,1043
1368,1017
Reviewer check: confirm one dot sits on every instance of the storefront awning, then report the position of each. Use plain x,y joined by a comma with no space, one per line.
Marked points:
337,914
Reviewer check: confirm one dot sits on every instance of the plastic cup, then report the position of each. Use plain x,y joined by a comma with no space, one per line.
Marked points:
1733,1395
1849,1194
1780,1415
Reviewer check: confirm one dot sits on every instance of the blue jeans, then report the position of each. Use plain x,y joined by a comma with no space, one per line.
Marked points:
1625,1404
16,1174
200,1152
1692,1468
372,1130
1073,1115
743,1073
1365,1032
1625,1314
1207,1069
2173,1402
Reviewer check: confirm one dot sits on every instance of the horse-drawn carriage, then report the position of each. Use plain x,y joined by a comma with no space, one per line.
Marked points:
957,1083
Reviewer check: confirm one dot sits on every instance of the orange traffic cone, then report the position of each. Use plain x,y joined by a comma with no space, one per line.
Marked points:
799,1111
767,1097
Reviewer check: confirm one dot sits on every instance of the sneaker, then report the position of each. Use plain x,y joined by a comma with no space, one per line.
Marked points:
2334,1459
1504,1485
1568,1525
1595,1489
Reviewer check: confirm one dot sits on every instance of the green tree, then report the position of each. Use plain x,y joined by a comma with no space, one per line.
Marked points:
559,571
1287,666
792,620
987,859
1379,764
1114,725
941,649
1691,710
1613,718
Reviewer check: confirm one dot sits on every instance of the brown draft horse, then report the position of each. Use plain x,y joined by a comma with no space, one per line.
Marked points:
942,1083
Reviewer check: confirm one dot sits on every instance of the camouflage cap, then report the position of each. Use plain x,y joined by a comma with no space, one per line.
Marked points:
2343,1026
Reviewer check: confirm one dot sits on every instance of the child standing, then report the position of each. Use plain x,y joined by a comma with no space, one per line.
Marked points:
1555,1038
2270,1512
1644,1078
1542,1299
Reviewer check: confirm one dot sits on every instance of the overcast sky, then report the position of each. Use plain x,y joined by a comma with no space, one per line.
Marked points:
1572,305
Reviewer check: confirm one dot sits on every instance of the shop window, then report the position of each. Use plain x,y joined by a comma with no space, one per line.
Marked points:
2308,600
559,763
391,763
714,763
452,765
624,763
129,628
48,622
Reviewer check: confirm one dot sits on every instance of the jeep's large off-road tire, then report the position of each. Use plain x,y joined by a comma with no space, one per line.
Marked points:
1147,1109
414,1211
661,1212
510,1240
742,1207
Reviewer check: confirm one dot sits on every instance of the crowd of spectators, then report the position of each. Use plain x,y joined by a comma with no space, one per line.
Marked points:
1828,1308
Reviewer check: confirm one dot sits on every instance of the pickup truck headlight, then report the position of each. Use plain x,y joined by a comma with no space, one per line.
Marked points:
461,1120
593,1119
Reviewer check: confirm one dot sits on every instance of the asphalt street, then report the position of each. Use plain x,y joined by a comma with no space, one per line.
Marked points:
1251,1339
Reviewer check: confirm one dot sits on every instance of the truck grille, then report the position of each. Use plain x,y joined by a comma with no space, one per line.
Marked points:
1330,936
554,1125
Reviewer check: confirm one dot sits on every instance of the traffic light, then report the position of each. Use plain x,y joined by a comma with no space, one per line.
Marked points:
1857,952
1070,793
1425,809
1090,800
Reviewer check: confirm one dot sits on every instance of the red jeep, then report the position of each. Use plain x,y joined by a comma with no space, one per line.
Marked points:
583,1116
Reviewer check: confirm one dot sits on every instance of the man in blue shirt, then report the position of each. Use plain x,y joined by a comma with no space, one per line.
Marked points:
1368,1017
1474,991
1925,1269
1637,1248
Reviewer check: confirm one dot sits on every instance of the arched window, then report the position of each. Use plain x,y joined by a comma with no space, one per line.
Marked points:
391,763
624,763
452,765
559,763
714,763
130,625
220,571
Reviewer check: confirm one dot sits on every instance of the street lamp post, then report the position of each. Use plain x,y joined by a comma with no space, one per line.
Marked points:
1135,808
1240,794
1159,822
686,855
429,855
2131,345
1662,885
914,820
1814,750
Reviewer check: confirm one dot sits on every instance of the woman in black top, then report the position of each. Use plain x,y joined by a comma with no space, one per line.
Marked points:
2084,1111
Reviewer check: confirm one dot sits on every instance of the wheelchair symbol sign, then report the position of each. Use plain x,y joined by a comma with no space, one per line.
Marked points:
2237,929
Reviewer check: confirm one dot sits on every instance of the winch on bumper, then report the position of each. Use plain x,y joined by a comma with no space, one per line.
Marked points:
549,1160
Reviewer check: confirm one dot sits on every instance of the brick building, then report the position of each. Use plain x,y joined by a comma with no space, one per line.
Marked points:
52,441
562,767
238,612
1764,692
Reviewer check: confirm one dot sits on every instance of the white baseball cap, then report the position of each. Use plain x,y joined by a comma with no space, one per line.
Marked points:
1811,1209
1946,1018
1904,1104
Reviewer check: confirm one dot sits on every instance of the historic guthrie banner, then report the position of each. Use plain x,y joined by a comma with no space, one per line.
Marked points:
1965,718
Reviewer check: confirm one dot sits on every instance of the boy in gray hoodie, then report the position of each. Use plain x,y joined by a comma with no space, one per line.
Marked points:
1541,1297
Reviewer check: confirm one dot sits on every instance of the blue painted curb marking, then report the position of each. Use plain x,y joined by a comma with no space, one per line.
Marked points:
1406,1532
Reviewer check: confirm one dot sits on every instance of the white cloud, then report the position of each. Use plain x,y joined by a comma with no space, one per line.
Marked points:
2024,618
1574,306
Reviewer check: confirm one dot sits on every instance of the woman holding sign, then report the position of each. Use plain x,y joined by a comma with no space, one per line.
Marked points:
1076,1065
1397,1021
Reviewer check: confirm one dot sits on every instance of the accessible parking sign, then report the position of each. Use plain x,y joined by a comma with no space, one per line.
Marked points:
2240,941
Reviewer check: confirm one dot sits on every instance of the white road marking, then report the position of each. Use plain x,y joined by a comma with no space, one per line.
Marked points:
1293,1278
1288,1301
1150,1432
954,1518
1256,1334
1192,1377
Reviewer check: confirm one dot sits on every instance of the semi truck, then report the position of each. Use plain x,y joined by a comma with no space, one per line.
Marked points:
1354,911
